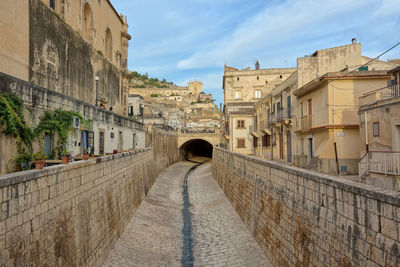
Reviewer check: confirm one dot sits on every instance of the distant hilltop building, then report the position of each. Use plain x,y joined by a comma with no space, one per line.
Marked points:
194,88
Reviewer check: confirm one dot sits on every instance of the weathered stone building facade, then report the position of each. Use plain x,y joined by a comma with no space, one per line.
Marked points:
379,132
69,55
312,111
75,48
243,88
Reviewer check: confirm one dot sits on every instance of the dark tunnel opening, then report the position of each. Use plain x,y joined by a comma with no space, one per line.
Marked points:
195,148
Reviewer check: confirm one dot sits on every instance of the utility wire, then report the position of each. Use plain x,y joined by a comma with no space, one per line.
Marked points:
372,59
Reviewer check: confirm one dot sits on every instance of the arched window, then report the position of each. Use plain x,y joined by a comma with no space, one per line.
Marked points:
88,23
108,44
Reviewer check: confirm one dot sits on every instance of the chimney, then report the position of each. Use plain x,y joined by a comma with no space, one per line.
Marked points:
354,40
257,65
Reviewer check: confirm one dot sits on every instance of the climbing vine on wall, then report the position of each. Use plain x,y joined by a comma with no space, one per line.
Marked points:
59,122
13,124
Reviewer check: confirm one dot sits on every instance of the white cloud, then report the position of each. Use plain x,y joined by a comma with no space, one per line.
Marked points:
274,26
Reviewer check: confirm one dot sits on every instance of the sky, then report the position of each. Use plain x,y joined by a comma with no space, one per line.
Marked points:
182,40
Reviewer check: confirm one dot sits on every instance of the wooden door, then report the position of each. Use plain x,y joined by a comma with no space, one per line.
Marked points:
310,112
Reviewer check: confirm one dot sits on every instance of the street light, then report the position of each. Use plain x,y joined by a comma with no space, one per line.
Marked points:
97,88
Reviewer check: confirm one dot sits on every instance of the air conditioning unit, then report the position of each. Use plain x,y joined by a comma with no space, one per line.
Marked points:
76,122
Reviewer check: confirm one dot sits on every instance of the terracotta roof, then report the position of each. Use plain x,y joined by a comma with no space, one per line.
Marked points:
230,68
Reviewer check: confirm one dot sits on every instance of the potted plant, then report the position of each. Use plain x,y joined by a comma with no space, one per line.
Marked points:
39,158
85,153
65,156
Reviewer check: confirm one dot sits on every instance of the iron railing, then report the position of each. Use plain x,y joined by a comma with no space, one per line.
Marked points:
271,119
390,92
306,123
384,162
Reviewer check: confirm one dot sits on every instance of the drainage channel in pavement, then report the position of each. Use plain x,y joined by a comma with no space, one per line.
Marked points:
187,230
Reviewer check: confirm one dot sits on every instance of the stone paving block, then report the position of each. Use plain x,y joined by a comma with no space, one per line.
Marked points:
153,237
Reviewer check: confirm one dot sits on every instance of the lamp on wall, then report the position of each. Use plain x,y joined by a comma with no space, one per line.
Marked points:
97,89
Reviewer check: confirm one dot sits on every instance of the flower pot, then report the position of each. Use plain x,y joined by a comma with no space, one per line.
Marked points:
39,164
65,160
85,156
115,151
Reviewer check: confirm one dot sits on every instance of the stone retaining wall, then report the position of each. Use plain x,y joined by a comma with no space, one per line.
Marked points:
71,215
304,218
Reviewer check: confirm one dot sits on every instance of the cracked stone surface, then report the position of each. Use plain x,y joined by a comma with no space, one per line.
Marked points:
153,237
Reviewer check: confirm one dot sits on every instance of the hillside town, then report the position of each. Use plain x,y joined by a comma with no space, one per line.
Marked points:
336,113
103,163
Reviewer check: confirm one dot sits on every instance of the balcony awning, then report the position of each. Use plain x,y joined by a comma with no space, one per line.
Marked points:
289,122
255,134
267,131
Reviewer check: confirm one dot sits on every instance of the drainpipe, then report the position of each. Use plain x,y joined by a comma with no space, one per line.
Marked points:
366,139
334,134
272,143
366,132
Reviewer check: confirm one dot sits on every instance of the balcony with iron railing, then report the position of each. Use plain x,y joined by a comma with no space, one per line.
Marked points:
383,162
306,123
279,114
380,94
272,119
284,114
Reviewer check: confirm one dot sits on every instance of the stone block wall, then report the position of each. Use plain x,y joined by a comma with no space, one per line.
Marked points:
71,215
62,61
38,99
165,146
304,218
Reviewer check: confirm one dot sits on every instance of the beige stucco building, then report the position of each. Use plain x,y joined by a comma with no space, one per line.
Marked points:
262,128
239,120
379,133
328,125
287,110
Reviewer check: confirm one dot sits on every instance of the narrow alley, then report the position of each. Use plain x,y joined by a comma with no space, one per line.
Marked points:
161,234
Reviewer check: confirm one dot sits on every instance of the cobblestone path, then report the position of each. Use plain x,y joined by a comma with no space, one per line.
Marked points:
154,236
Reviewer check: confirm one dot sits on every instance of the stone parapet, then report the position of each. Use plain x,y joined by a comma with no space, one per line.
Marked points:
304,218
42,98
72,215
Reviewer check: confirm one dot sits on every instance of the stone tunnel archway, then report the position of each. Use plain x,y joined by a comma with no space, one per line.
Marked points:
195,148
